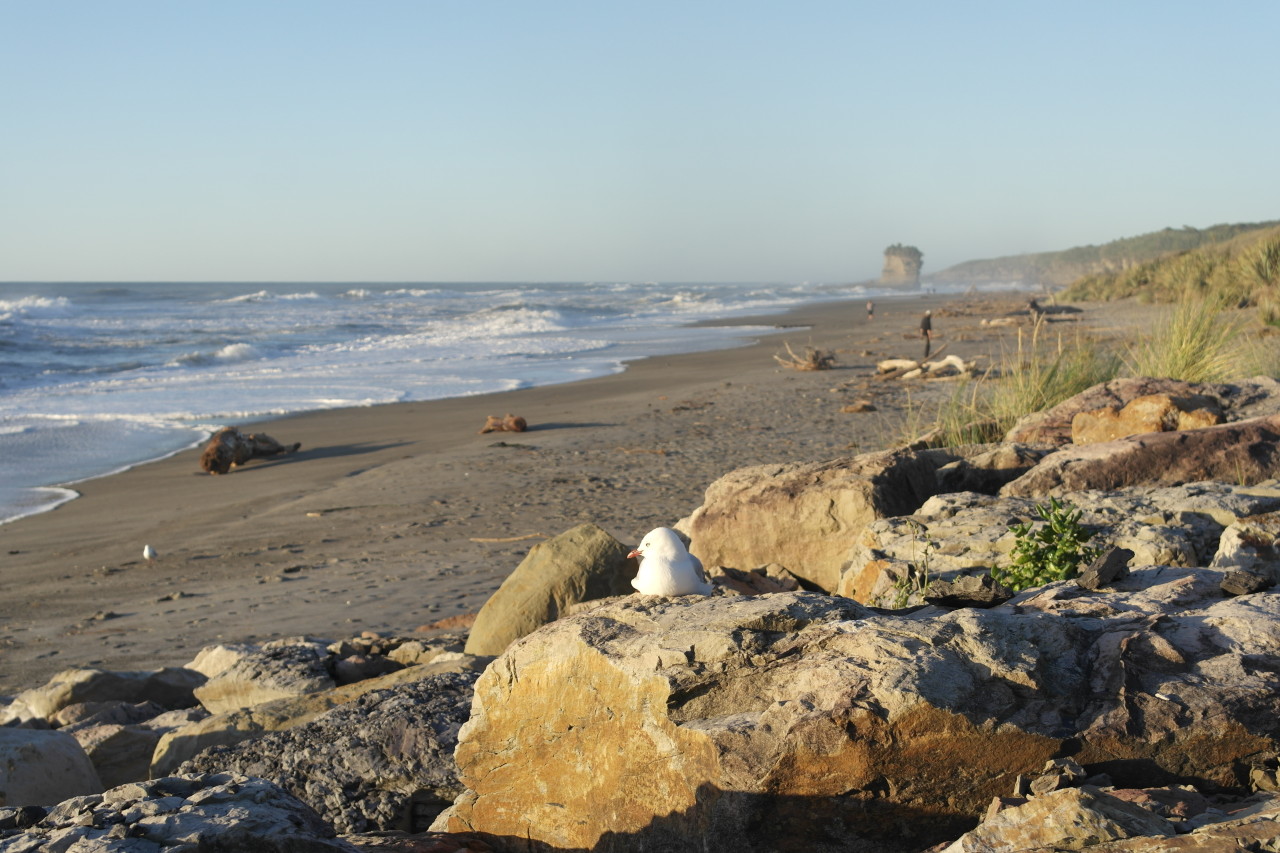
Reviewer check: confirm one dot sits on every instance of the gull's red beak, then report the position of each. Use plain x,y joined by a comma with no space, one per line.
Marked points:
635,553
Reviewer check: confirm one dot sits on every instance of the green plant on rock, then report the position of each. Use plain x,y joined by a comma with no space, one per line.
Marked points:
1051,550
916,580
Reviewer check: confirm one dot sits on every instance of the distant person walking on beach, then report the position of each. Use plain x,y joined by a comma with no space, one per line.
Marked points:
926,331
871,310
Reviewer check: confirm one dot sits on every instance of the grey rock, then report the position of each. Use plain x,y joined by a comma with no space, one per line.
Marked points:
369,765
276,670
955,535
178,745
1072,818
1111,565
1241,582
170,687
1251,544
215,812
39,767
21,817
103,713
987,471
119,753
358,667
967,591
1249,398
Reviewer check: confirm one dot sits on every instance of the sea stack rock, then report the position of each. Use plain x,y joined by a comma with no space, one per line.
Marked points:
902,265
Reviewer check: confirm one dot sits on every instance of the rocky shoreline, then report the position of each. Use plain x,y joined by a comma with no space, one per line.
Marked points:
840,689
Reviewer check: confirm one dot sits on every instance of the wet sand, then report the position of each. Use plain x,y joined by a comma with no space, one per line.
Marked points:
395,516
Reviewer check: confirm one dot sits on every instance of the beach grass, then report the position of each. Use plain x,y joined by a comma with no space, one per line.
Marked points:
1201,338
1197,340
1041,371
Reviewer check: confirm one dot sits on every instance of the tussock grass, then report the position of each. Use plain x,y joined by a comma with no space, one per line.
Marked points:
1259,355
1041,372
1198,340
1242,271
1203,337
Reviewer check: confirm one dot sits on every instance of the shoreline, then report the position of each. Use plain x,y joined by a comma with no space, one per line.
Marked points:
38,495
398,515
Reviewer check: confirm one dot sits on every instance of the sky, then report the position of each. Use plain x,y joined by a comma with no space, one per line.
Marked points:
698,140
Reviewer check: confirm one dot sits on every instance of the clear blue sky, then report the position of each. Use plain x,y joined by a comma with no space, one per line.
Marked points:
399,140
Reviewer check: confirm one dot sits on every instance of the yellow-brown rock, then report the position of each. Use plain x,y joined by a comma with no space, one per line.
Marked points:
804,516
1149,413
1242,452
809,722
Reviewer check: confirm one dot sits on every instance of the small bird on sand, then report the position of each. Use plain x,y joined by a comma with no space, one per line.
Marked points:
149,553
667,567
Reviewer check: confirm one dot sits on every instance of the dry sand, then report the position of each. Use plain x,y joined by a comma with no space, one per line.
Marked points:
395,516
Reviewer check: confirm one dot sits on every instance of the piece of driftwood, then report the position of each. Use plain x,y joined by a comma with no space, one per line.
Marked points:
905,368
813,359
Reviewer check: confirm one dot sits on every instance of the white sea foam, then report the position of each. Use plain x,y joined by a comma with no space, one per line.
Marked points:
34,306
238,352
269,296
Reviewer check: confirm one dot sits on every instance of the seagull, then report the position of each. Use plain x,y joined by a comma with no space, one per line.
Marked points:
149,553
667,567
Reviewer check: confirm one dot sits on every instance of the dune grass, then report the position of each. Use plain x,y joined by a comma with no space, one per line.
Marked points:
1198,340
1040,372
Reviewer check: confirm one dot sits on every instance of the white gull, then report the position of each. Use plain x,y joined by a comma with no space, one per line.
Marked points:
667,567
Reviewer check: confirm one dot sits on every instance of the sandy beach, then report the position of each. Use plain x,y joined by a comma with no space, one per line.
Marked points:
392,517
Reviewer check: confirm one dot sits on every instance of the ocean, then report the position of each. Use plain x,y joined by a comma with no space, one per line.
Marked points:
98,377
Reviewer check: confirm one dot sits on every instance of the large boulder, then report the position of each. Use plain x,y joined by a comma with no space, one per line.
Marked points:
804,516
170,687
1243,452
120,753
39,767
383,762
216,812
796,718
582,564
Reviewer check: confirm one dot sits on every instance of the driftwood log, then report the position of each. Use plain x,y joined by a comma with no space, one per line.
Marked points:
813,359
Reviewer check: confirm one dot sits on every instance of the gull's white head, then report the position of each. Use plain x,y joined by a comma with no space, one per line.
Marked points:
661,542
667,567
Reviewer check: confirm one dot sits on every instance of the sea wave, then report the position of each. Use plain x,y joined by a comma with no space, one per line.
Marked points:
229,354
34,306
513,320
268,296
